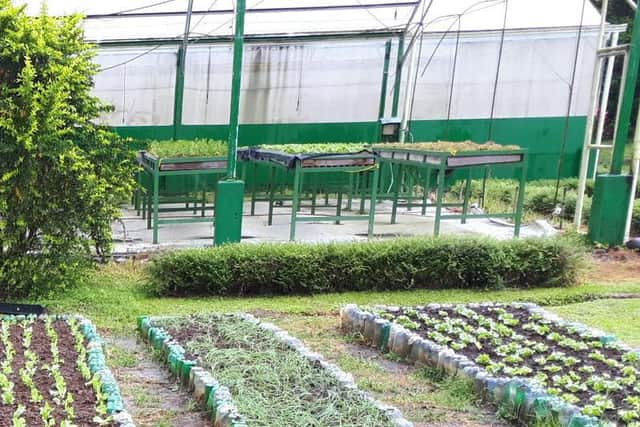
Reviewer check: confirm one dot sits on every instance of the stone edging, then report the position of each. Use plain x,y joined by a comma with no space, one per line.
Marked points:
530,399
215,397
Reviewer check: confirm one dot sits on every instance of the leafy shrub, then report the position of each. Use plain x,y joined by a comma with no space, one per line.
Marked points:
280,269
539,196
61,176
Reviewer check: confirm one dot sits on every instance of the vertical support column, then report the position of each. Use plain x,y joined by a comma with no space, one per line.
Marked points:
397,171
155,201
466,197
229,203
373,200
236,85
272,190
617,159
439,197
398,79
178,96
520,200
295,202
383,89
425,192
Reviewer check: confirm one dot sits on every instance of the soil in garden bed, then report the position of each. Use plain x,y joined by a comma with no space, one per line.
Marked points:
271,384
84,398
510,341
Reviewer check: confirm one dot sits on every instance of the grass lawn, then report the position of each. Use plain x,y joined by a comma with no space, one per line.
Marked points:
113,296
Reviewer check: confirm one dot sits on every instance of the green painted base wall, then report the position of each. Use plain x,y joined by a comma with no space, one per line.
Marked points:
542,136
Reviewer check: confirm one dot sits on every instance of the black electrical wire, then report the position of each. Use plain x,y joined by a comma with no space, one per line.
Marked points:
130,60
193,28
569,103
415,81
498,68
453,72
135,9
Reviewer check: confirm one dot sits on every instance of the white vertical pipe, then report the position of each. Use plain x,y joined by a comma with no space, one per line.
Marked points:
593,105
604,102
408,93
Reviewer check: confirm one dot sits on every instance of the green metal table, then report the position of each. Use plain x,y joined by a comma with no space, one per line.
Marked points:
436,165
202,170
360,168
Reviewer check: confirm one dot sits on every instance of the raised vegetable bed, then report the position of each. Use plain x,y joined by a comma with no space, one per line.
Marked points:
53,373
303,162
199,164
529,361
272,378
427,164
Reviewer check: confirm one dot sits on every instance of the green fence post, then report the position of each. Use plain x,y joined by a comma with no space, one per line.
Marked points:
439,197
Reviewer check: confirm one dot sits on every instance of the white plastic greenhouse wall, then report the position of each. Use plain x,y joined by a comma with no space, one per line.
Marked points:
310,71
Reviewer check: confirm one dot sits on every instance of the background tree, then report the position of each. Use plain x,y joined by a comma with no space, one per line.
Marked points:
61,175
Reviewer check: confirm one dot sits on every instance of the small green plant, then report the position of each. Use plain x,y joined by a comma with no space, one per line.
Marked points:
188,148
323,148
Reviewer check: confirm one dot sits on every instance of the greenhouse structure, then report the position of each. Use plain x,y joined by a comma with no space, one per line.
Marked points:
510,71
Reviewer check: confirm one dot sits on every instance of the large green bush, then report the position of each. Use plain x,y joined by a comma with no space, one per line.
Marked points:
61,176
280,269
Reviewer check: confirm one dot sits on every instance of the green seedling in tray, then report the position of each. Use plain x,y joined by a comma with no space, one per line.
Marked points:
184,148
326,148
449,147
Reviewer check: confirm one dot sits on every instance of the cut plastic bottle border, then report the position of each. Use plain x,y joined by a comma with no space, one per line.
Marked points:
97,365
344,379
213,396
530,400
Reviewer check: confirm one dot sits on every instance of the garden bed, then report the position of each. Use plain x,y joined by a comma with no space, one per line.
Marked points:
273,378
52,372
531,362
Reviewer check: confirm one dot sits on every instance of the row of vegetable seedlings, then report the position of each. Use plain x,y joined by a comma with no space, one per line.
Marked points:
534,364
53,373
263,376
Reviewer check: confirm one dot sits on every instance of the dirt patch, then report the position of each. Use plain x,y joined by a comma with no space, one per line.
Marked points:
152,397
614,265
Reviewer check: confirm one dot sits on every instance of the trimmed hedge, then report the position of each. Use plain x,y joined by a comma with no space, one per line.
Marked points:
434,263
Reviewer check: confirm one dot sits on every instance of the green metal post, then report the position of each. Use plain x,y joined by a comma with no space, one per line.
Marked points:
178,96
373,201
466,196
295,202
425,192
624,121
156,201
520,201
439,197
398,80
238,48
385,80
229,202
397,184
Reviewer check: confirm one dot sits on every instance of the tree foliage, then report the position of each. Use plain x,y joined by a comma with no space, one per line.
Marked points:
61,175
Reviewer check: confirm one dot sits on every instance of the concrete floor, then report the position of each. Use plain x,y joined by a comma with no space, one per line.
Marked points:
131,235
